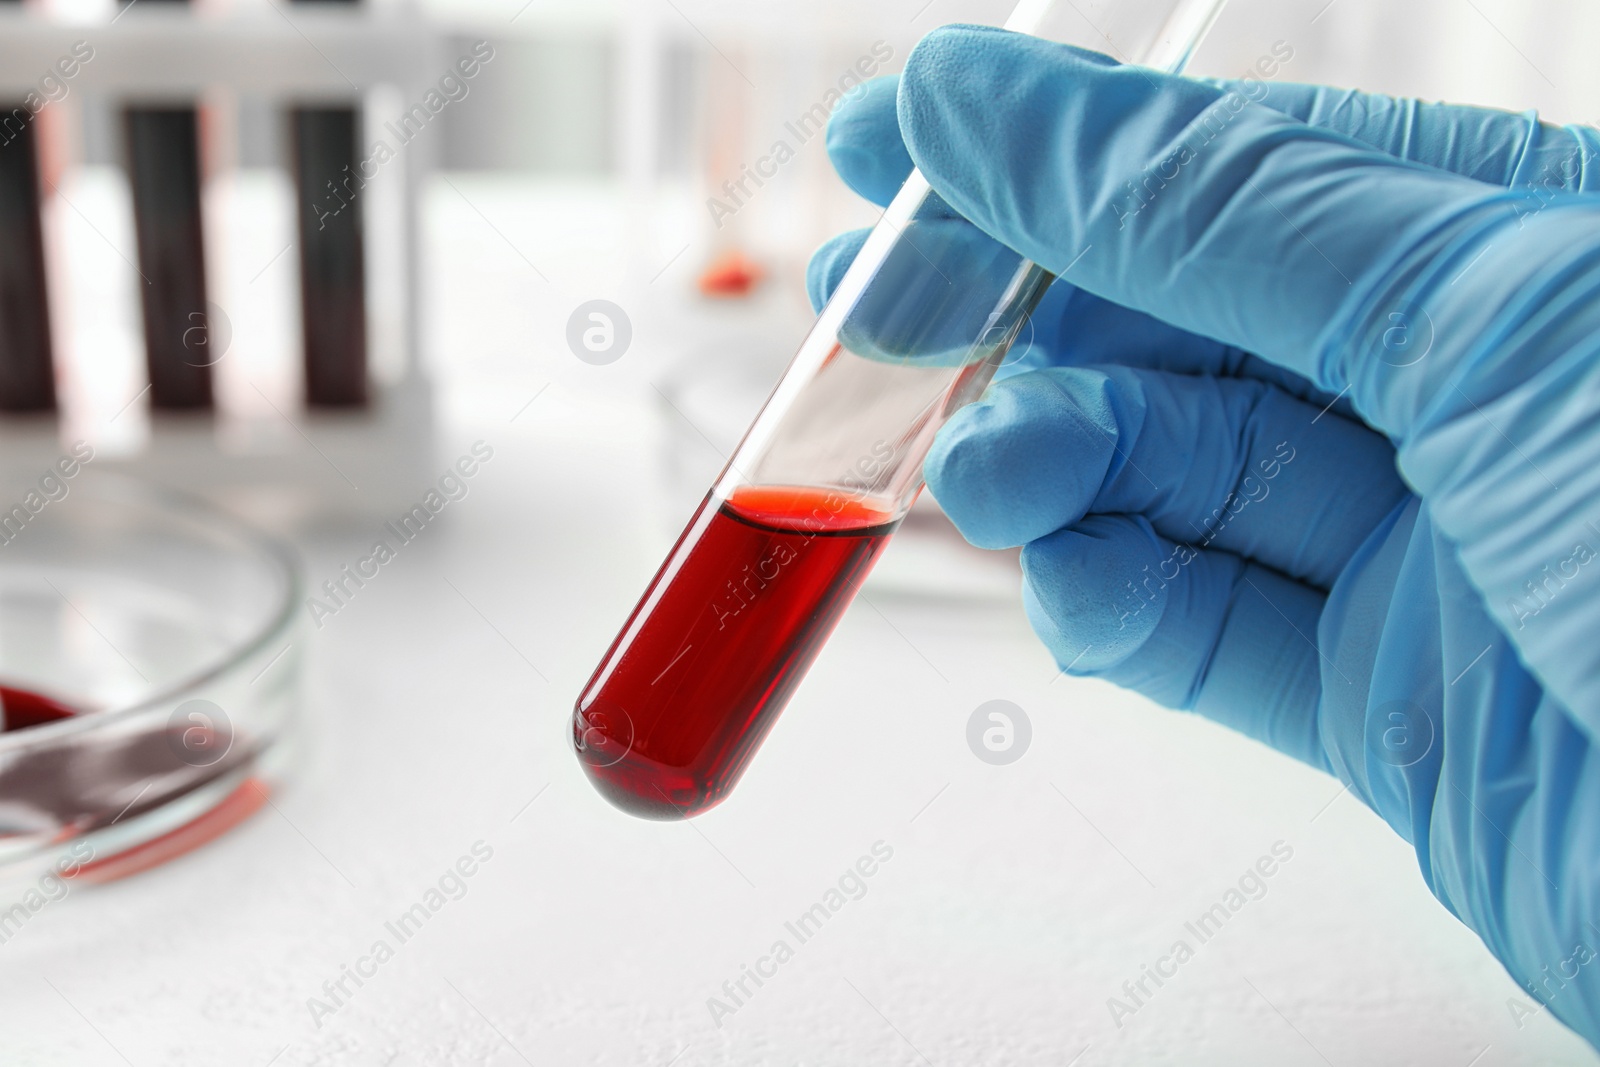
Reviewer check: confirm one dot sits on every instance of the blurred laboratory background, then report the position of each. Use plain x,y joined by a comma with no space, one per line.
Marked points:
361,338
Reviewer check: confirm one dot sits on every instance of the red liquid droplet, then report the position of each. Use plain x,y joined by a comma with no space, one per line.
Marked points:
22,709
731,274
718,644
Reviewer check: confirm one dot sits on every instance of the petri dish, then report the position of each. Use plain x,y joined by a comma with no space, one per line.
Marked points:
149,672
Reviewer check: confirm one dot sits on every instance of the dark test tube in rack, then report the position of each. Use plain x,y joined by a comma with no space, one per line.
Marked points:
27,373
333,304
164,171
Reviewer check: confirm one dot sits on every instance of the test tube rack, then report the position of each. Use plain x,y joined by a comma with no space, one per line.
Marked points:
358,445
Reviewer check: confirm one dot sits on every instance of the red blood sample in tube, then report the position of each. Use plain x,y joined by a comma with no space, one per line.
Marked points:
719,642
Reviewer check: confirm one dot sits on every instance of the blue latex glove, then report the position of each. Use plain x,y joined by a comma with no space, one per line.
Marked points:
1315,449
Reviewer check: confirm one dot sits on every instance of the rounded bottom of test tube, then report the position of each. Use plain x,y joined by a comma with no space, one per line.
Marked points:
650,801
632,782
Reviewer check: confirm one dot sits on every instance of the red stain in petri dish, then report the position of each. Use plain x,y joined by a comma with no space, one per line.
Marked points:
96,779
244,801
20,709
719,642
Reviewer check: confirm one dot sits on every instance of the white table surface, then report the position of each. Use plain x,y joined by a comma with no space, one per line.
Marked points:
1017,901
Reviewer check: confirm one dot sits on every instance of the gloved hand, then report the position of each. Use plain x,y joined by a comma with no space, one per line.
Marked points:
1315,449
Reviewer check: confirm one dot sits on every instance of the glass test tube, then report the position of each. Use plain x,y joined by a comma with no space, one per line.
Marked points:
767,565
